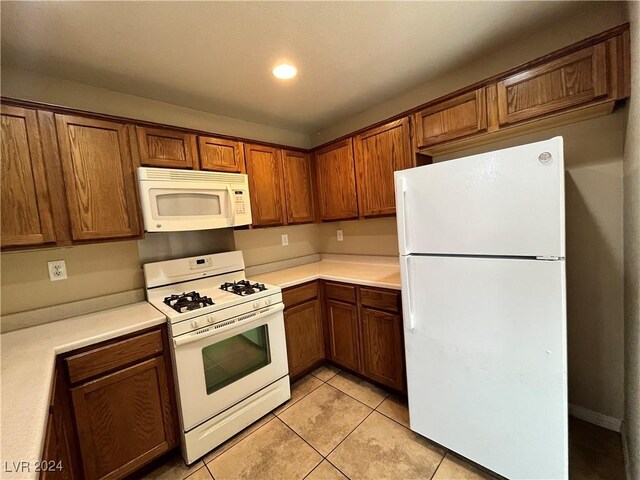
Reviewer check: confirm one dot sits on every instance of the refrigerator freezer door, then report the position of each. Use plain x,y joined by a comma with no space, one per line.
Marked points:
485,344
509,203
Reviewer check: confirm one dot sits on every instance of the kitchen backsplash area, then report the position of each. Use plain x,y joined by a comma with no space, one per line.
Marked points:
114,270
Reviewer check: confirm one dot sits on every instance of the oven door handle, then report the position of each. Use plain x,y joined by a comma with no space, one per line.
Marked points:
226,325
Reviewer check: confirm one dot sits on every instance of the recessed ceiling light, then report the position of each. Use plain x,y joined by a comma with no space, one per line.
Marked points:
285,71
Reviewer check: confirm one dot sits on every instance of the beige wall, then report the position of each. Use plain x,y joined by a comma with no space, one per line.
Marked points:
26,85
361,237
632,255
264,245
594,18
92,270
593,196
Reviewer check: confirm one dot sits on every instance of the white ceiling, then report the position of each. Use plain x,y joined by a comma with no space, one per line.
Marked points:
217,56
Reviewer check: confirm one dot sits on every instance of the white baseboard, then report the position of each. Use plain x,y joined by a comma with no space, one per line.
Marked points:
605,421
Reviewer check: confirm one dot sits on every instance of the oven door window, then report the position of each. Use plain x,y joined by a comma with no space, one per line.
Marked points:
186,204
234,358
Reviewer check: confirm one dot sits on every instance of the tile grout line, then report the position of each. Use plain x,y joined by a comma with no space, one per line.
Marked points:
321,455
360,401
349,434
440,463
237,443
304,396
305,441
313,469
334,466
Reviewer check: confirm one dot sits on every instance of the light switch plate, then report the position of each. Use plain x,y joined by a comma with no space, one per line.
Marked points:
340,236
285,239
57,270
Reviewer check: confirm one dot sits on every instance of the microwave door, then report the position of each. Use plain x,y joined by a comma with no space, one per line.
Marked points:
177,209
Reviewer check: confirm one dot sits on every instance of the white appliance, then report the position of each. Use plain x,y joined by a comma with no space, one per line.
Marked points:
482,245
178,200
228,345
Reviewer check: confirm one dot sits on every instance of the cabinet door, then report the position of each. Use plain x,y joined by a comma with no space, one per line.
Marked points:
383,357
452,119
336,177
264,168
342,320
297,186
220,155
305,339
166,148
99,178
60,449
124,420
26,206
572,80
380,152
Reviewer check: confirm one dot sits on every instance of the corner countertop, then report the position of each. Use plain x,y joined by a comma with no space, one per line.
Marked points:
381,272
28,363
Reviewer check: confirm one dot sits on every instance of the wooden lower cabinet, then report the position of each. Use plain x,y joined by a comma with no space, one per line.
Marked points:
382,347
121,416
365,334
305,338
344,342
60,444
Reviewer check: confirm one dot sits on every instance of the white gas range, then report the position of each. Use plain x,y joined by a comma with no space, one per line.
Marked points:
228,345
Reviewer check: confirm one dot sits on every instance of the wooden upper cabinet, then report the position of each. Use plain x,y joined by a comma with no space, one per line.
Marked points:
336,180
379,152
99,178
452,119
221,155
26,205
264,168
159,147
296,168
570,81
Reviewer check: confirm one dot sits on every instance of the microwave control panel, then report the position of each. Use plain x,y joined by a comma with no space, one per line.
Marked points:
240,201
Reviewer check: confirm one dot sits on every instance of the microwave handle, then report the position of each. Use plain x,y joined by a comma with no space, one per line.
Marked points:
232,206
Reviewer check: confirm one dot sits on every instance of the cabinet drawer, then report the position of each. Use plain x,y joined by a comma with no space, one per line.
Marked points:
103,359
346,293
294,295
382,299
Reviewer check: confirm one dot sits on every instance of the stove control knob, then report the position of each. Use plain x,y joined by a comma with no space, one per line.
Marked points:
256,304
211,319
268,301
194,323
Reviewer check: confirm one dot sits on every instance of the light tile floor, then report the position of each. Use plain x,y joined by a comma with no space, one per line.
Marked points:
337,426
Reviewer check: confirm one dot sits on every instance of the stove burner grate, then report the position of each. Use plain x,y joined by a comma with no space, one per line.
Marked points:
187,301
243,287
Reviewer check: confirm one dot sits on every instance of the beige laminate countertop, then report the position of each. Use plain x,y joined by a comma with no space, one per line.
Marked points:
26,374
373,272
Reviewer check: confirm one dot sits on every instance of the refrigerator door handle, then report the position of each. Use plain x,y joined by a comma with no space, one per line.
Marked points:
407,291
402,216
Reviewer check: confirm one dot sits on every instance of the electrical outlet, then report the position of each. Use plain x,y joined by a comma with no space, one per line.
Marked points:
57,270
340,236
285,239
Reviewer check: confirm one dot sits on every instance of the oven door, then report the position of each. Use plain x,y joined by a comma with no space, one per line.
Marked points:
218,366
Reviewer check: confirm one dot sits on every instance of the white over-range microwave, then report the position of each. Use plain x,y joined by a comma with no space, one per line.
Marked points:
179,200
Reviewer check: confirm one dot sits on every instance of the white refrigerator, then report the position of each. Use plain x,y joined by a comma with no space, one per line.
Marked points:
482,248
